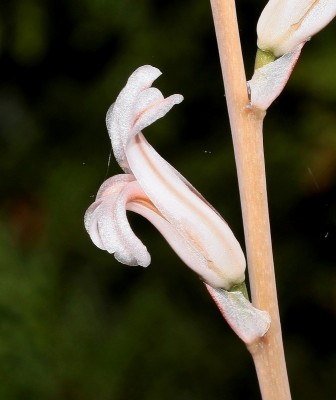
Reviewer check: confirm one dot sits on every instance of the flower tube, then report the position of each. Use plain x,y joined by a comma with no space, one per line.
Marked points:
152,188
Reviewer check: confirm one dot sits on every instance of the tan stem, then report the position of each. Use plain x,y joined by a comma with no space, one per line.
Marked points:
246,126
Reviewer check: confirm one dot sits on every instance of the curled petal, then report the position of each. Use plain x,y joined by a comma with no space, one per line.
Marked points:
137,106
268,81
91,225
107,224
155,111
111,186
285,24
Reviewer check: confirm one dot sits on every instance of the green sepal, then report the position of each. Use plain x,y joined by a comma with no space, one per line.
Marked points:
263,57
240,287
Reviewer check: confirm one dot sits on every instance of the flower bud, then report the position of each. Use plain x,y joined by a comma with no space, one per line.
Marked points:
285,24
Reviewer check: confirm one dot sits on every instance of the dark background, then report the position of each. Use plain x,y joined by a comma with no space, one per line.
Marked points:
75,324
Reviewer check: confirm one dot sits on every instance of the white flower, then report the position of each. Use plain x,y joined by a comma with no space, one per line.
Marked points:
285,24
153,188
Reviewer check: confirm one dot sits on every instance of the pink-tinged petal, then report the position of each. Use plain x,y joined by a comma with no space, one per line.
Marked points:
285,24
129,250
110,186
223,262
91,224
268,81
114,184
188,254
107,224
137,104
246,321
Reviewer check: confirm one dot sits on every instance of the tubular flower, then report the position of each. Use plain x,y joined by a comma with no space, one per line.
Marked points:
285,24
154,189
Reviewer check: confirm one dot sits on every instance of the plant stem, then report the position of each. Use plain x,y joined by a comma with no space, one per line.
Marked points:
246,126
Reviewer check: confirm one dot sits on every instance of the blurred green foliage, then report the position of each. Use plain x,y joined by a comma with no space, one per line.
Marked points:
75,324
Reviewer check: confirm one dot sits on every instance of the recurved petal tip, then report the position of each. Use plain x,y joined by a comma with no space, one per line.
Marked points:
137,106
155,111
107,224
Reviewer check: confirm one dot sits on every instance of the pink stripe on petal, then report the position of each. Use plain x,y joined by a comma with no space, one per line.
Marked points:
200,226
188,254
132,193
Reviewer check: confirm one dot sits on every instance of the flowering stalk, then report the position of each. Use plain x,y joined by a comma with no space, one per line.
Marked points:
246,126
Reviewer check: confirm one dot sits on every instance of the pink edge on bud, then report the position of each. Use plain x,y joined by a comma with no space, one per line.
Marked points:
268,81
246,321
